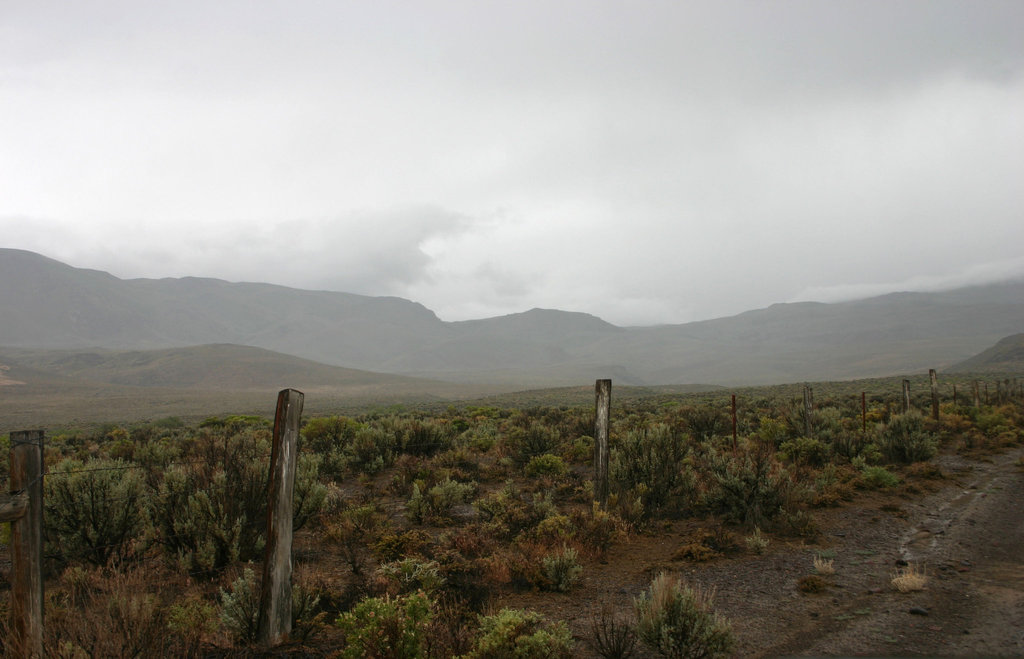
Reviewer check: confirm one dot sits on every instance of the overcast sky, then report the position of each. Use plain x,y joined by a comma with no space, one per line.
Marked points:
647,162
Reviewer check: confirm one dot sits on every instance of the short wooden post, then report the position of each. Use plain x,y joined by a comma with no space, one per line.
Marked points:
864,412
906,396
603,406
27,545
934,378
275,621
808,406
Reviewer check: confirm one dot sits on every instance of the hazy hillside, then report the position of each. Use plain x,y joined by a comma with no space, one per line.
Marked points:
1006,356
217,366
46,304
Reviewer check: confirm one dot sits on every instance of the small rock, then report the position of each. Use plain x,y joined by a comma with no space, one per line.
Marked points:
918,611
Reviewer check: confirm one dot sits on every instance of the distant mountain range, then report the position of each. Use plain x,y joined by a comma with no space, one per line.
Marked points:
47,305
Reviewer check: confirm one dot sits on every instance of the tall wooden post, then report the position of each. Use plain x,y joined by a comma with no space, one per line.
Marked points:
864,412
808,406
275,621
906,396
734,422
934,378
27,545
975,393
603,406
955,403
987,401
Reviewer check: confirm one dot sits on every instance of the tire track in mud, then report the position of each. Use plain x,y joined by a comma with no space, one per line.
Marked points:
969,537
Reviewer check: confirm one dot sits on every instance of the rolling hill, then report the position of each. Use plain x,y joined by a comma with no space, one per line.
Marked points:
45,304
1006,356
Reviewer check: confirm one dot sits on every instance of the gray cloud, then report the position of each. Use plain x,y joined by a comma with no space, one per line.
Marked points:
650,162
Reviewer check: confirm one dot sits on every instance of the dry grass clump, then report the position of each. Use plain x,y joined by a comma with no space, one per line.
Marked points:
910,578
824,566
812,583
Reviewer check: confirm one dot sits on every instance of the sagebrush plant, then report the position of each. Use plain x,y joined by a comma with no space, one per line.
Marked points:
905,440
95,511
678,621
240,607
561,570
524,444
646,463
413,574
748,486
521,633
387,627
875,477
435,505
757,542
546,465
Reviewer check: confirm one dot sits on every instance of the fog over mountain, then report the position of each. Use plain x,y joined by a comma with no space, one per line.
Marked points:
646,162
45,304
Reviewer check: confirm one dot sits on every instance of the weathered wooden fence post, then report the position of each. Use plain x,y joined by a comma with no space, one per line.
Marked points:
906,396
603,403
808,406
27,544
934,378
734,422
275,621
864,412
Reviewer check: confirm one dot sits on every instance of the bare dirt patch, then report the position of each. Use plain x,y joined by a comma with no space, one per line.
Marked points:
964,528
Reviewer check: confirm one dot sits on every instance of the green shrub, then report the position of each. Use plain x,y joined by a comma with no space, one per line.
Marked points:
423,437
240,607
436,504
372,449
506,514
387,627
521,633
329,437
95,511
648,464
749,486
522,444
562,570
876,477
805,451
904,439
546,465
706,422
413,574
677,621
355,529
212,510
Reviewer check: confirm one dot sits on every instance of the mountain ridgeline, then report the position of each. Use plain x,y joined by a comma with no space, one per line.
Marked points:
45,304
